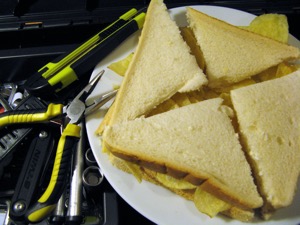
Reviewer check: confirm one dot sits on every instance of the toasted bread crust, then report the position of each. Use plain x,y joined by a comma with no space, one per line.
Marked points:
211,185
241,214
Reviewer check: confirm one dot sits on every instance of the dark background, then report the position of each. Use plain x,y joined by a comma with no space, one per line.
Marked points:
63,24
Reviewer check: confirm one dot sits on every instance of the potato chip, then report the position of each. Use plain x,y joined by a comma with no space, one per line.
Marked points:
274,26
192,98
209,204
135,170
172,182
116,86
198,95
164,107
104,149
121,66
240,84
280,70
208,93
227,99
285,69
181,99
267,74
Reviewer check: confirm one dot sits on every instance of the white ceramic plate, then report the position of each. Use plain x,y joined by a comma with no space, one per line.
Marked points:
156,203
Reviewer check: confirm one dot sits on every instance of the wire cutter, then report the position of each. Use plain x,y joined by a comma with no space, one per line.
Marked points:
73,112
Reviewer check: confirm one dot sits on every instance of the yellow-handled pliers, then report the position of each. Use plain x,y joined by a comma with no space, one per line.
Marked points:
74,112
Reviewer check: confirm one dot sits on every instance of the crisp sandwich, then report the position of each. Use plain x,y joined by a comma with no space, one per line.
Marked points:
165,143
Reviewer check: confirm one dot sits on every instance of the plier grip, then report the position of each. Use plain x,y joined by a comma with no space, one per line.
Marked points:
74,112
47,202
31,115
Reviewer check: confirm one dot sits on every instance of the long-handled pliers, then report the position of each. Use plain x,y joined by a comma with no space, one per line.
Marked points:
74,112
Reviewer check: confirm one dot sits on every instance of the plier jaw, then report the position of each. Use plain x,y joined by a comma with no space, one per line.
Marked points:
77,109
75,112
72,115
98,103
89,88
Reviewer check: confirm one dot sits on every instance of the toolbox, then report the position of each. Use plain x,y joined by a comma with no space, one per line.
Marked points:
34,32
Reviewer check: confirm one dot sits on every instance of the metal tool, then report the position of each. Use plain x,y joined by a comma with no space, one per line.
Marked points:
58,110
58,215
11,138
74,214
14,89
89,158
73,113
8,92
66,69
4,211
92,178
4,103
100,101
17,98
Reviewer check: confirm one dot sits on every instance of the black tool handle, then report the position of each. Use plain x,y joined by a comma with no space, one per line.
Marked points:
100,51
31,173
39,84
59,177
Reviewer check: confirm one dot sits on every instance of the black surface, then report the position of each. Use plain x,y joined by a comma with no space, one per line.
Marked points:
26,46
61,25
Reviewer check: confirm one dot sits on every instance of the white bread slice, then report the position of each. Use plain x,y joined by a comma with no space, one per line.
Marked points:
233,54
161,66
268,114
244,215
196,143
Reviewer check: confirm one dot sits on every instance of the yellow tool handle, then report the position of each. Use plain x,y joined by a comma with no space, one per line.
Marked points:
66,69
53,67
59,177
96,53
30,115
